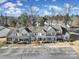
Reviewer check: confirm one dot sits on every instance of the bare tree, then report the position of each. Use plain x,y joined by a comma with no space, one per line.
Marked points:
66,11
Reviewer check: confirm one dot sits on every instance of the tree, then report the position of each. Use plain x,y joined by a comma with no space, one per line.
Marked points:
67,9
2,19
67,19
43,20
23,19
13,23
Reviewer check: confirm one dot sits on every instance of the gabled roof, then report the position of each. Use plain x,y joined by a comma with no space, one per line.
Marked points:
49,30
4,32
15,34
23,30
57,27
1,27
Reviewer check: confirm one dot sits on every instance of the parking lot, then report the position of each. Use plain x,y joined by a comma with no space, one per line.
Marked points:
40,53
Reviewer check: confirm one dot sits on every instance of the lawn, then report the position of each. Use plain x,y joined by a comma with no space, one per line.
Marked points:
2,42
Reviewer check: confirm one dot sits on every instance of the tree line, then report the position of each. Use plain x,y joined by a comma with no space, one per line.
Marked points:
25,20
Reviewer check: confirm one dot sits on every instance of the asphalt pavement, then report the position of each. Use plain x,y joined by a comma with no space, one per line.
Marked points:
38,53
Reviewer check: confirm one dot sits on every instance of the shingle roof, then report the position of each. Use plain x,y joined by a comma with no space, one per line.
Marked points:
1,27
4,32
49,30
22,33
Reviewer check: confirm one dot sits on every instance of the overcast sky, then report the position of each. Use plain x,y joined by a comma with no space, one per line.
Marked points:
42,7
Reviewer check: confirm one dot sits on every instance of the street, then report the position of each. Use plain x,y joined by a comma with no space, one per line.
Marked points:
38,53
